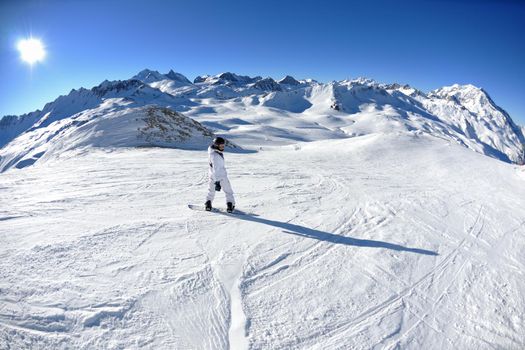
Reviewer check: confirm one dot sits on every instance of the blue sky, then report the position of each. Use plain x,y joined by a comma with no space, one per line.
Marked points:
427,44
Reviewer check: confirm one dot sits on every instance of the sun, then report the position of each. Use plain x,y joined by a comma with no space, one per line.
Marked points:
31,50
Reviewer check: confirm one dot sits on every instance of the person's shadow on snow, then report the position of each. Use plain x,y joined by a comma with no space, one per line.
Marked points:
329,237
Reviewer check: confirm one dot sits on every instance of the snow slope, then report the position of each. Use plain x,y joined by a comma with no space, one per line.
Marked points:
368,221
472,110
133,92
382,241
112,124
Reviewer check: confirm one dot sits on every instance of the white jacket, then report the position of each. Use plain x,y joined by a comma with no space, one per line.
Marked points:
217,168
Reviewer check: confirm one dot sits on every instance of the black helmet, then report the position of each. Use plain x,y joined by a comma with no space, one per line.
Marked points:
218,141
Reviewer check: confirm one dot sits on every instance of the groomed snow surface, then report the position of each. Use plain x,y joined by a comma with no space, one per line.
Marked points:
385,241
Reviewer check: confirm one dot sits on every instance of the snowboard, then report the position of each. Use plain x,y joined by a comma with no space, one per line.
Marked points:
217,210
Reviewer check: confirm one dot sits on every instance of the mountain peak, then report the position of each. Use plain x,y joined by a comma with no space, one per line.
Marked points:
458,90
289,80
117,86
227,78
235,78
267,84
177,77
200,79
466,94
363,81
149,76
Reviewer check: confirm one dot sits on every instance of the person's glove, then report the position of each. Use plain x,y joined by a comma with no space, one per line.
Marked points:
217,185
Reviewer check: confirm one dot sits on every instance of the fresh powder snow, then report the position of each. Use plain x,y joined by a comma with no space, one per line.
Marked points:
373,216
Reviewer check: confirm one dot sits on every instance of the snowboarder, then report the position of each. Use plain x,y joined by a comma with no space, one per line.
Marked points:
218,178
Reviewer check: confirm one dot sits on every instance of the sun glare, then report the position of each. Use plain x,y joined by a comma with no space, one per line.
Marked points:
31,50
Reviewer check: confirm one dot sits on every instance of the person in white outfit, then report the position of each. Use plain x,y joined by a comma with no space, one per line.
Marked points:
218,178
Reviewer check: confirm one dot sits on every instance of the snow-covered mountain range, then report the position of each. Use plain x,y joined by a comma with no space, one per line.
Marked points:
255,111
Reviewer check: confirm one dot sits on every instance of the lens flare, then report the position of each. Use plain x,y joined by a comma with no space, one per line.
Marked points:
31,50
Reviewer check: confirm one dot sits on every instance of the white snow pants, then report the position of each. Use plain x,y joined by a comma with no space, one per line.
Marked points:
226,187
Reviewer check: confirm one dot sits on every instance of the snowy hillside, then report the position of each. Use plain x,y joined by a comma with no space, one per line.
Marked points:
113,124
113,114
471,110
384,241
371,216
133,92
256,111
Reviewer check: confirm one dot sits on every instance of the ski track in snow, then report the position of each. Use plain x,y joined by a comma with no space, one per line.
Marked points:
354,244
